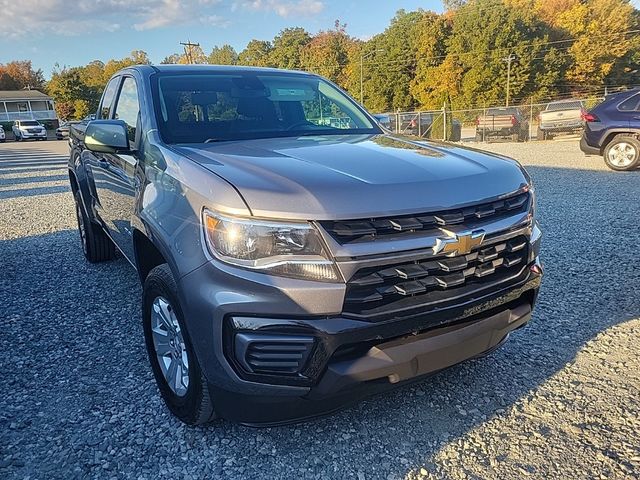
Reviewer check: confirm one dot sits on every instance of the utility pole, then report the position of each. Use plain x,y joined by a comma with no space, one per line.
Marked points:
187,49
362,58
509,59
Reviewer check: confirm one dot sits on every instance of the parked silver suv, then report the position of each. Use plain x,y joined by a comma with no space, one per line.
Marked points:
293,256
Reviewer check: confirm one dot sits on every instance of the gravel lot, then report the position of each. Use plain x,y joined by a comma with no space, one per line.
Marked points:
560,400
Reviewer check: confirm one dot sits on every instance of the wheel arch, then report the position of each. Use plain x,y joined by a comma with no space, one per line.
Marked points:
147,254
611,134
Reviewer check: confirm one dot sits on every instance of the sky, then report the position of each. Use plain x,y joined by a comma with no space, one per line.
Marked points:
71,33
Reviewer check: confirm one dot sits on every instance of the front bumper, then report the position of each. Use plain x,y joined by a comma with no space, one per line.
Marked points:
33,135
351,358
382,367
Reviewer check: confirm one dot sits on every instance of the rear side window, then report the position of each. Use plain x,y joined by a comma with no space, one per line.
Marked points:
128,106
630,104
107,99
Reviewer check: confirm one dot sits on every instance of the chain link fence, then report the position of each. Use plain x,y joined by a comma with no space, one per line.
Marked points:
516,123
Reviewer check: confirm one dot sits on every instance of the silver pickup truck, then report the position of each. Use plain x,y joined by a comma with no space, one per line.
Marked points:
291,265
560,116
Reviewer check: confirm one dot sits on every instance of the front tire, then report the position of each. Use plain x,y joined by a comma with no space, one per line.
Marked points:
622,153
96,245
175,367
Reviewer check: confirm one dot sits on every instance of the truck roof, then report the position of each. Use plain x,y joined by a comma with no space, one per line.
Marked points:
210,68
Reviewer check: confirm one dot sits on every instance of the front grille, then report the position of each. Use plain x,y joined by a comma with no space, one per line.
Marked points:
383,289
367,230
272,354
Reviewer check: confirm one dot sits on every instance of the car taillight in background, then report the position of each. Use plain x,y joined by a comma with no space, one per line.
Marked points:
588,117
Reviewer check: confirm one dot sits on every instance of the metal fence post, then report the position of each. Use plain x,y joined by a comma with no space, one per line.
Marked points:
485,116
444,121
530,119
419,124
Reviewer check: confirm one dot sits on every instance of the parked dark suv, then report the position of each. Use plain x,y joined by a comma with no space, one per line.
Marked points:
294,256
612,129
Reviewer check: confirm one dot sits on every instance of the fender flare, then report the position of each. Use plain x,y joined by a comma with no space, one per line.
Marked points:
611,133
78,173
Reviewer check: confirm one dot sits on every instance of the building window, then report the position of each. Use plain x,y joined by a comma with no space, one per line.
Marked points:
23,107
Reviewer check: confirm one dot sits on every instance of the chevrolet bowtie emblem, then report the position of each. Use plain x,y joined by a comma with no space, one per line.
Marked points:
459,243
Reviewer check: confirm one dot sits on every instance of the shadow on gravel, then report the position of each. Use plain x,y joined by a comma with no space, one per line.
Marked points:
34,179
80,399
32,192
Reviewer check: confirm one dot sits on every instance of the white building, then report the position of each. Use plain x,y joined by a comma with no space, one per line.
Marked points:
25,105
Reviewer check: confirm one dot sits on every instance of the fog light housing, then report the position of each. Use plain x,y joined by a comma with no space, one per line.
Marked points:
268,354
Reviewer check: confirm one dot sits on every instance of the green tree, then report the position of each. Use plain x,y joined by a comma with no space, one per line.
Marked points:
224,55
172,59
287,48
601,28
328,53
256,54
81,109
389,65
483,34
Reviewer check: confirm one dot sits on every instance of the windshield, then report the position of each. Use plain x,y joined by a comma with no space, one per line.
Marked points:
29,124
197,108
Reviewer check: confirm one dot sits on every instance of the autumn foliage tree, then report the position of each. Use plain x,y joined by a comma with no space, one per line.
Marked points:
423,59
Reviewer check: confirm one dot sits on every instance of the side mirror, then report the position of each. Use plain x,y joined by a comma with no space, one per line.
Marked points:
106,136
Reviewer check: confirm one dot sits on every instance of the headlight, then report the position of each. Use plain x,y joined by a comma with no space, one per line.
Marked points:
287,249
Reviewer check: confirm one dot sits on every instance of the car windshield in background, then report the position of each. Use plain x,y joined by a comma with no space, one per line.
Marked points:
197,108
29,124
565,106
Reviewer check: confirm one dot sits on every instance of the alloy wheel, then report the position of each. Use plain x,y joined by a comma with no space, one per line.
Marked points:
169,346
622,154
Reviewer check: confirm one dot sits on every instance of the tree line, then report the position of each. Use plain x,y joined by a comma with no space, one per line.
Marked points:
559,48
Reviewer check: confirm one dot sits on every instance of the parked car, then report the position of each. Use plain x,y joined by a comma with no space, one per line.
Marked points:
3,137
62,131
290,267
561,116
422,125
612,129
383,119
26,129
502,122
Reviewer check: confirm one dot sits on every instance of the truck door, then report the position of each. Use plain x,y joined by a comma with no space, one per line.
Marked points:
119,173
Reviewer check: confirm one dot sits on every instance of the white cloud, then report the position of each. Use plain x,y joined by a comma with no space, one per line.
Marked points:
86,16
285,8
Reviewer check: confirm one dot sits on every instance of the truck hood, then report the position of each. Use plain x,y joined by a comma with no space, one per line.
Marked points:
347,177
